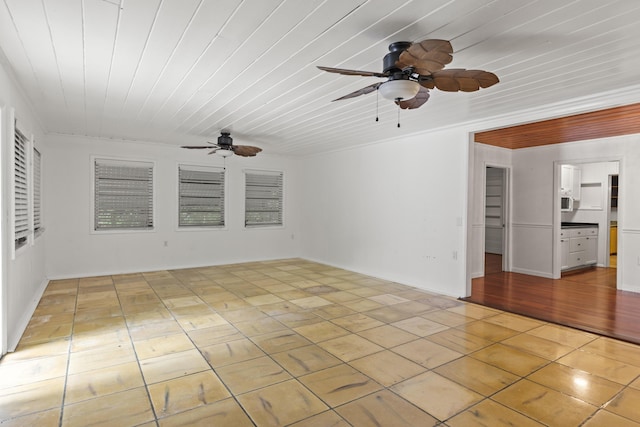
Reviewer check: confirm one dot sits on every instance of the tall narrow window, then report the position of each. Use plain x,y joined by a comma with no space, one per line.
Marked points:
123,195
263,198
37,191
20,189
201,194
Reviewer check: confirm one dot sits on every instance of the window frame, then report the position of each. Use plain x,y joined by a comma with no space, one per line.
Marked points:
114,161
281,212
201,168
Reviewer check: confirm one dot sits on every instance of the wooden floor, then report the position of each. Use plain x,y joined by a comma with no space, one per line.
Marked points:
586,300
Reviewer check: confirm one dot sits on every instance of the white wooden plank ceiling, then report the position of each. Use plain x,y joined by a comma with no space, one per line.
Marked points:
179,71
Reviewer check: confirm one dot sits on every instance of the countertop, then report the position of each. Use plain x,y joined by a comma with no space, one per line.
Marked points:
578,225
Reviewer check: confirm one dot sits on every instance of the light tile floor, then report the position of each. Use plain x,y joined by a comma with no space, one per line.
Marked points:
298,343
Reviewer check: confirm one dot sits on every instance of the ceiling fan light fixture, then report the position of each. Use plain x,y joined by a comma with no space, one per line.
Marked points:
223,152
399,89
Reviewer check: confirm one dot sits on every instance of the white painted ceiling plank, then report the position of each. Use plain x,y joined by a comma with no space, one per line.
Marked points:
100,26
261,58
172,20
65,23
134,28
244,22
33,32
14,52
201,33
298,68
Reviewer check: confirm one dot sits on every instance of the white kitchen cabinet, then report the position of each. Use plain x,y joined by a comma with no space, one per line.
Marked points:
566,180
579,247
591,250
576,183
564,252
570,180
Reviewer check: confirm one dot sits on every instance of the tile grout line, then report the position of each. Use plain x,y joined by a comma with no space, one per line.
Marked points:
233,395
135,352
70,346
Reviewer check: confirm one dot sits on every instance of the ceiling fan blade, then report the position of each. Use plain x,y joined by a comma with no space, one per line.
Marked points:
363,91
191,147
245,150
426,81
346,72
459,79
416,101
427,56
486,78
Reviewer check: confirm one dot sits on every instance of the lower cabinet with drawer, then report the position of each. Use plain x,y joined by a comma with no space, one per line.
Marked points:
579,247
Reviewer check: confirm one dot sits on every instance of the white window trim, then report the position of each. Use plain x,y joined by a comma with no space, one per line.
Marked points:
206,168
124,162
244,199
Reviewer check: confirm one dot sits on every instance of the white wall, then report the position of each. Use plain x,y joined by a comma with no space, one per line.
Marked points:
74,250
395,210
532,211
23,272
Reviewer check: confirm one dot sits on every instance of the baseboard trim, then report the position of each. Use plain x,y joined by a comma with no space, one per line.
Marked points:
532,272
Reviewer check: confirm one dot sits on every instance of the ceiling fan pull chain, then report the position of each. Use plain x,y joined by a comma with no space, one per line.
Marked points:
398,100
377,96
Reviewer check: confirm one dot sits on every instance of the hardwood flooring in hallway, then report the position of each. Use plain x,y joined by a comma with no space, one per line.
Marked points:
586,300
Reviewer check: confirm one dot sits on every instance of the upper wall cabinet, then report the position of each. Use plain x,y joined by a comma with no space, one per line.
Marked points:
570,179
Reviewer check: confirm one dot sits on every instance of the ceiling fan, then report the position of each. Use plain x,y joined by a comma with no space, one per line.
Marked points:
225,147
411,69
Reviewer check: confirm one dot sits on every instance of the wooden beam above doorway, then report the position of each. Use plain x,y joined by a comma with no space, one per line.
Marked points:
615,121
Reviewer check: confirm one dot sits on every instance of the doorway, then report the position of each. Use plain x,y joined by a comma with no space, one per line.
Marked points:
593,203
495,220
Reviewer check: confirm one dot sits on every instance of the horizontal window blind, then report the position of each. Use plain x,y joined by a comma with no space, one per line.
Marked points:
123,195
263,199
201,194
37,190
20,189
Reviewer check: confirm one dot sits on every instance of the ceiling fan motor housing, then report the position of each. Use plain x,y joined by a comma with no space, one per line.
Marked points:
390,59
225,140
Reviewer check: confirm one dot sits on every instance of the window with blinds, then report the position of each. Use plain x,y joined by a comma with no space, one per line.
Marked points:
123,195
20,189
37,191
263,199
201,197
